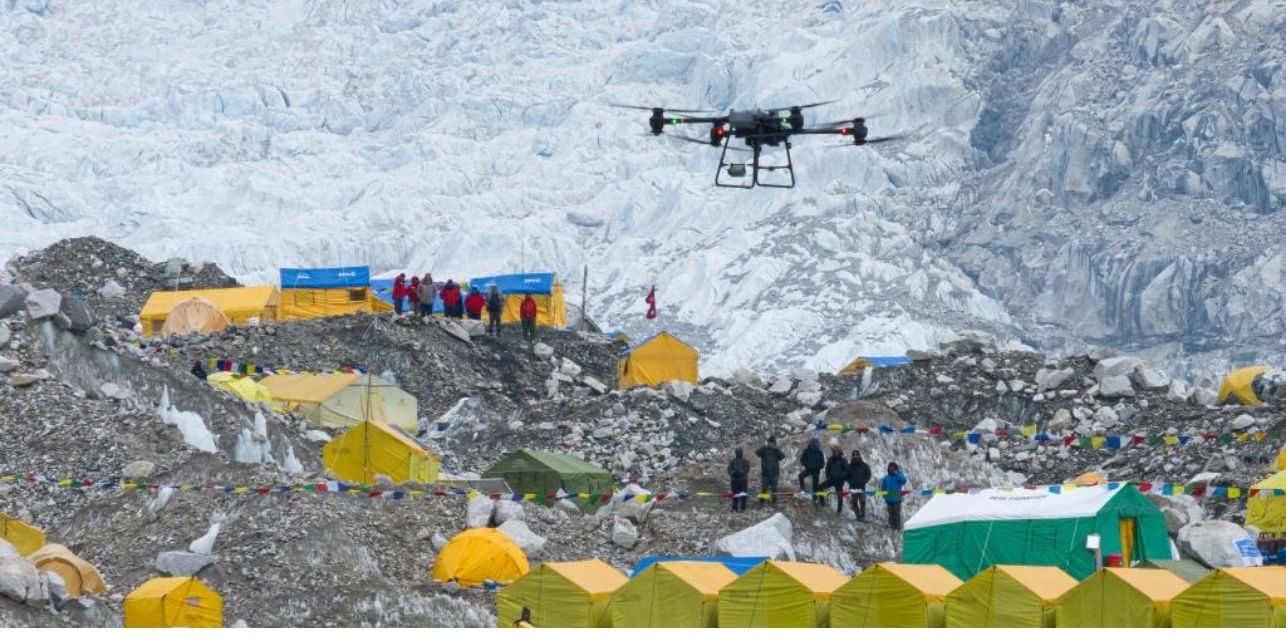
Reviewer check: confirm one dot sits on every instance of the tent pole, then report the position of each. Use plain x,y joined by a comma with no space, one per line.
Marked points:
584,297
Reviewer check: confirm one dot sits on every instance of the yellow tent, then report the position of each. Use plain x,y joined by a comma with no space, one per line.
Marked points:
1116,597
24,537
1241,597
243,387
1089,479
370,448
780,594
79,575
545,288
1265,510
337,400
238,305
477,555
1238,386
894,595
672,594
1280,463
194,315
1008,596
173,602
661,358
562,594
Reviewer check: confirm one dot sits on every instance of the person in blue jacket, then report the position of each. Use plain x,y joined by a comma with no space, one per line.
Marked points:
892,485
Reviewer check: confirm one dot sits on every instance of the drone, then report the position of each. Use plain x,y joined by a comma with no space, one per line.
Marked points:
757,128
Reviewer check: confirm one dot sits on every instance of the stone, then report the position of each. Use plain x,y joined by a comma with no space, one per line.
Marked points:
1001,387
182,563
456,331
54,585
505,511
1204,397
27,379
1016,385
111,290
595,385
438,541
5,335
1179,511
1062,419
1117,366
474,328
1047,379
12,298
624,534
478,511
680,390
114,391
1178,391
1150,377
781,386
945,379
77,313
626,505
1213,543
747,377
522,535
771,538
570,368
568,507
1101,353
1116,387
20,582
1242,422
138,469
809,398
543,350
969,342
315,435
1106,417
918,355
43,303
7,364
986,425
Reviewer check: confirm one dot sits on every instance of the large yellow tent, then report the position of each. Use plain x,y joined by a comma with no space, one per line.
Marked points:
239,305
562,594
1280,463
545,290
173,602
26,538
1240,597
1117,597
338,400
661,358
194,315
80,576
1008,596
370,448
478,555
894,595
243,387
1238,386
780,594
1266,510
672,594
327,291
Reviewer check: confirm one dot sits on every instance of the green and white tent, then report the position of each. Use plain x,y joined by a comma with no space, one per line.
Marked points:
968,532
545,473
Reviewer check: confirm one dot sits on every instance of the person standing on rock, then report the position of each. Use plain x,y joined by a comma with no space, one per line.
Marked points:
495,310
859,474
474,303
450,298
770,458
413,296
739,476
528,313
426,294
892,485
812,461
399,293
836,474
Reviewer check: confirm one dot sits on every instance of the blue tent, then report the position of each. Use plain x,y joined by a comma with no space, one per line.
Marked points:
537,284
735,565
326,278
383,289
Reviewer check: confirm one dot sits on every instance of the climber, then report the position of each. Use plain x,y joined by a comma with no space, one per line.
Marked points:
399,293
859,473
739,476
413,296
450,295
495,310
770,458
892,485
528,313
812,461
426,293
473,303
836,474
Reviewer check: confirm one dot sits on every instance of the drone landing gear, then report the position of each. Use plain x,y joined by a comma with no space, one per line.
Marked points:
740,169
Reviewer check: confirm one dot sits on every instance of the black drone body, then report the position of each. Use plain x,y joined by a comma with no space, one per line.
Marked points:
756,128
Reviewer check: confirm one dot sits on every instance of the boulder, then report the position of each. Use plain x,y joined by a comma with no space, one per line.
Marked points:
138,469
781,386
26,379
315,435
568,507
1204,397
809,398
628,506
20,582
1047,379
114,391
438,541
986,425
7,364
522,535
456,331
680,390
182,563
54,585
478,511
1099,354
43,303
1117,366
770,538
1179,511
1150,377
1178,392
542,350
1106,417
5,335
624,534
748,378
78,315
1242,422
12,298
1062,419
1115,387
7,550
569,368
505,511
1214,543
595,385
111,290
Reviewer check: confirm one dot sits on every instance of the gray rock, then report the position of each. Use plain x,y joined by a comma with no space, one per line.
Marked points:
1062,419
5,335
771,538
474,328
1179,511
522,535
505,511
26,379
627,506
1106,417
7,550
478,511
624,534
456,331
1101,353
568,507
1047,379
54,585
569,368
594,384
1242,422
438,541
182,563
138,469
43,303
1149,377
917,355
111,290
114,391
1178,392
1213,543
781,386
76,312
7,364
986,425
809,398
20,582
1116,387
1118,366
543,350
1204,397
315,435
11,299
969,342
748,378
680,390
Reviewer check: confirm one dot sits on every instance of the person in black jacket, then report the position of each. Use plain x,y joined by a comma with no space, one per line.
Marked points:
836,474
739,475
812,461
495,309
198,370
770,458
859,473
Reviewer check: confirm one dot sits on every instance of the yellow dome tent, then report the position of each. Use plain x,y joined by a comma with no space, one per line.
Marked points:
1266,510
477,555
562,594
672,594
1240,597
338,400
173,602
1089,479
894,595
1117,597
238,305
1008,596
26,538
780,594
369,449
243,387
79,575
1238,386
661,358
194,315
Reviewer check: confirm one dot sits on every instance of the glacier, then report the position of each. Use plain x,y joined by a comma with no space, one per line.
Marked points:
1075,173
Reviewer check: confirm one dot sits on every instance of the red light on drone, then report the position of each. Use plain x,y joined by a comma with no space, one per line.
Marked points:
720,131
844,131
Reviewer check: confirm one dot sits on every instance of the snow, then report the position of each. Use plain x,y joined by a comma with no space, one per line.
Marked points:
253,446
190,425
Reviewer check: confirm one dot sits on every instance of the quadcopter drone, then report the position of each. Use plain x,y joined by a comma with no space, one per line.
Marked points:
757,128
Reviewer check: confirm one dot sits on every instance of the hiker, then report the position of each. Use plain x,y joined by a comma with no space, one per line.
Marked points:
892,485
524,620
198,370
495,309
859,474
450,295
528,314
770,458
836,474
473,303
812,461
399,293
426,293
739,474
413,295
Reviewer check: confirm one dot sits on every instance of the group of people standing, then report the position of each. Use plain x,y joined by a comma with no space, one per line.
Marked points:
421,292
837,469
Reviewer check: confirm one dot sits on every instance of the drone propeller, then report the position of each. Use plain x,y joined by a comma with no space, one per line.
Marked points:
662,109
849,122
689,139
870,141
801,106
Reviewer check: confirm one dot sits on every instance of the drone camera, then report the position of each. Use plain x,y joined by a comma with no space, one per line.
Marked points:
737,170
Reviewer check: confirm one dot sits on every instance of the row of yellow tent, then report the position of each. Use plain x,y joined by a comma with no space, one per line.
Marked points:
796,594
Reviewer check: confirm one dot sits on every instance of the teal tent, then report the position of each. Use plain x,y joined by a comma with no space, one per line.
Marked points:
545,473
968,532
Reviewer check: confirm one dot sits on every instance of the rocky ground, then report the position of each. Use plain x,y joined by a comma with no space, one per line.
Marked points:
83,396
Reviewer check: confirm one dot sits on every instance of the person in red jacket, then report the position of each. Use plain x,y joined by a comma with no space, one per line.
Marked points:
413,295
450,295
528,314
473,303
399,293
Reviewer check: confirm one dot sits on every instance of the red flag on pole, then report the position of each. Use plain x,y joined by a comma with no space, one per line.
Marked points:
651,303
